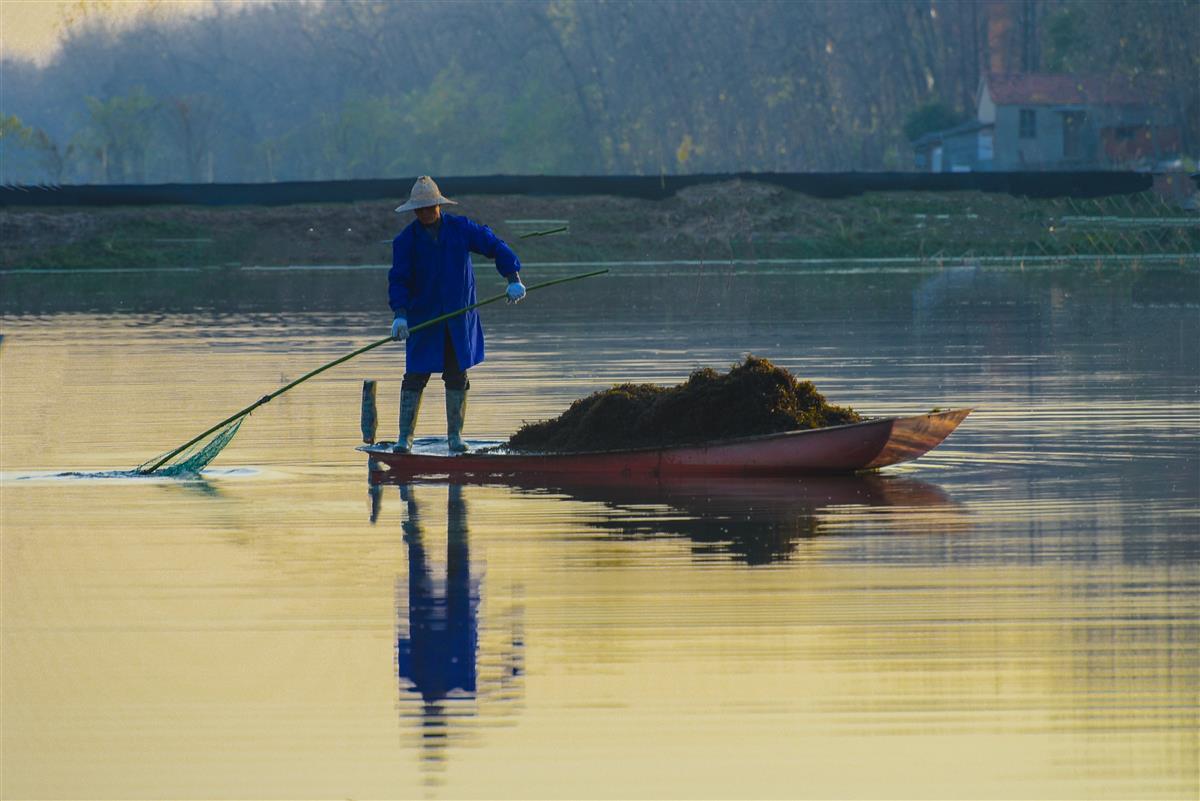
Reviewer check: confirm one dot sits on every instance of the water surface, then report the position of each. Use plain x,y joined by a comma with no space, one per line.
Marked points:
1012,616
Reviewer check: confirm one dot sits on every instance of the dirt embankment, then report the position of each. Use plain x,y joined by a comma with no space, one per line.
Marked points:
739,220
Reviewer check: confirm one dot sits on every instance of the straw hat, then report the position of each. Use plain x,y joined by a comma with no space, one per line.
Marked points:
425,193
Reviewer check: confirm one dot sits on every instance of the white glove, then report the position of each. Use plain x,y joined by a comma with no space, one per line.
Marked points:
515,291
399,328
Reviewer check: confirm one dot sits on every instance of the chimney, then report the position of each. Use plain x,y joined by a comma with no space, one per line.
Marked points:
1001,36
1012,36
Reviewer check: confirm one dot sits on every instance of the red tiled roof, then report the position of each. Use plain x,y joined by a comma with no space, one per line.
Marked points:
1047,89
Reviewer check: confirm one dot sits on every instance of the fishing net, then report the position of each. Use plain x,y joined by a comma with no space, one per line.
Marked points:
191,461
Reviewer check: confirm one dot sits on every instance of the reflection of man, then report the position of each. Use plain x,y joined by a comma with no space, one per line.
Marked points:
431,275
438,656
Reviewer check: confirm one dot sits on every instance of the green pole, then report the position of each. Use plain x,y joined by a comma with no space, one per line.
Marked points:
273,395
558,230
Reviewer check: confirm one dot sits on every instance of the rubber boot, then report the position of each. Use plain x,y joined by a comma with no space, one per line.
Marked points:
410,404
456,412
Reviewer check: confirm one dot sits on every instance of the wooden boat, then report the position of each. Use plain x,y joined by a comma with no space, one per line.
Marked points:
837,449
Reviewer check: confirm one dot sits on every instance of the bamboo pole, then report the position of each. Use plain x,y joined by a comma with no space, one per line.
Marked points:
312,373
531,234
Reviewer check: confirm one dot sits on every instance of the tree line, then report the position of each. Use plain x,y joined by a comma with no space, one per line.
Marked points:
342,90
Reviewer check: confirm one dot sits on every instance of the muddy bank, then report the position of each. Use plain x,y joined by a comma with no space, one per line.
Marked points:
739,220
754,397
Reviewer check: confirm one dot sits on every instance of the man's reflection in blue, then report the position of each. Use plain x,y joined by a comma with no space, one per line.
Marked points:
438,656
438,645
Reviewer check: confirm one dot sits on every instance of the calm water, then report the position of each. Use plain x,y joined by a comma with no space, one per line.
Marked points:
1012,616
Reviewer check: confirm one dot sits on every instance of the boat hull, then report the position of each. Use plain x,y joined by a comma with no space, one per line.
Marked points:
837,449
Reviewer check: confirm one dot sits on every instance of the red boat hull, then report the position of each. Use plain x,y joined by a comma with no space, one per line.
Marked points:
837,449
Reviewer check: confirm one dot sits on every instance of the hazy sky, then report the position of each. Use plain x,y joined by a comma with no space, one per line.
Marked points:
30,28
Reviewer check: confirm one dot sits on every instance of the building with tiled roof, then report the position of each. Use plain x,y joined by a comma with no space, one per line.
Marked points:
1040,121
1054,89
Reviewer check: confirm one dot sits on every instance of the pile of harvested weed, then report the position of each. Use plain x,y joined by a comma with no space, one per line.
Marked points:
754,397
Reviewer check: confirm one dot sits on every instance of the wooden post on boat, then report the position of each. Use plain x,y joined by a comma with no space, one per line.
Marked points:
369,419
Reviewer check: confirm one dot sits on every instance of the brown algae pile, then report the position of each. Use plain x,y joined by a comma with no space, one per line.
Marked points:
754,397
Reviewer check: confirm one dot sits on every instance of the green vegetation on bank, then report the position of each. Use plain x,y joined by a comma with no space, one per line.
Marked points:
718,223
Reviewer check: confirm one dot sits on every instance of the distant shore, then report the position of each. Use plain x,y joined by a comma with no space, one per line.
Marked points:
734,221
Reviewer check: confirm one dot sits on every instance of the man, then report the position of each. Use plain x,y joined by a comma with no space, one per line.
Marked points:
431,275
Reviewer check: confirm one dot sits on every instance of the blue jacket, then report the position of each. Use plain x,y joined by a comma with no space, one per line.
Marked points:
429,279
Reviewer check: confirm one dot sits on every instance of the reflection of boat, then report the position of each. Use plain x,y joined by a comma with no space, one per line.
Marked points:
758,520
836,449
